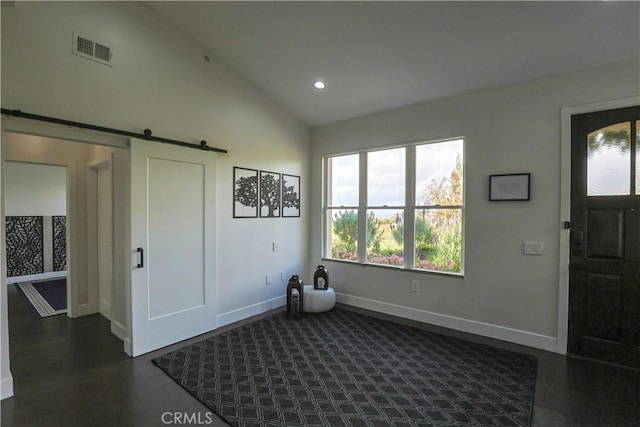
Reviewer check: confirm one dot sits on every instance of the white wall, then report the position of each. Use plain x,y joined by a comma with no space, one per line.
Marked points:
160,81
508,129
35,190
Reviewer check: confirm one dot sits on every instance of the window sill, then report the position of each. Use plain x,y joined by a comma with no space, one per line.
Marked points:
397,268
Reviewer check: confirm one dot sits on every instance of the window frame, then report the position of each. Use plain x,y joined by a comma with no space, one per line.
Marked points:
410,207
326,219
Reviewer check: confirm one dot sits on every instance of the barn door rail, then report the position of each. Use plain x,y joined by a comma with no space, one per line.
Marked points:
146,135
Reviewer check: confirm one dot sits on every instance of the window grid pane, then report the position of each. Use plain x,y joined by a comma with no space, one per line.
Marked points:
342,234
386,178
439,173
438,240
385,237
343,181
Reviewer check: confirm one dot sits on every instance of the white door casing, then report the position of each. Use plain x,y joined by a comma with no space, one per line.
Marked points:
105,245
173,222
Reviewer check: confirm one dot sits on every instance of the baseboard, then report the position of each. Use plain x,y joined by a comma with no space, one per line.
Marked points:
251,310
502,333
118,330
6,387
127,346
35,277
83,310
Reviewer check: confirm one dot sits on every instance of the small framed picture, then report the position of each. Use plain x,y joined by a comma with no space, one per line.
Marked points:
290,195
245,193
510,187
269,194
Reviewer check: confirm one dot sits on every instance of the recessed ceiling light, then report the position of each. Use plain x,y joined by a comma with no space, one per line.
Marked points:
319,84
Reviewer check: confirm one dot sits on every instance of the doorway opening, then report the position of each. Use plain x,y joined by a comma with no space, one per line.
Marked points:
90,233
35,201
95,204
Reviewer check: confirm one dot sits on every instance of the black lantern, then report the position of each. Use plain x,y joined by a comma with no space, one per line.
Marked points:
294,297
321,278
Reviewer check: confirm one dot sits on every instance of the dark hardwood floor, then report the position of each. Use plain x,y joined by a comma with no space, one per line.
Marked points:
74,372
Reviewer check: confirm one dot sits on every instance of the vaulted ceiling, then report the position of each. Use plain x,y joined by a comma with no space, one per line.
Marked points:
376,56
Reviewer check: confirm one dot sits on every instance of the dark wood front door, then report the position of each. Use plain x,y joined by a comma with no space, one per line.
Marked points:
604,280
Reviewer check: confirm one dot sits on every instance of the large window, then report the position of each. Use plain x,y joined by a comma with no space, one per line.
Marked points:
400,207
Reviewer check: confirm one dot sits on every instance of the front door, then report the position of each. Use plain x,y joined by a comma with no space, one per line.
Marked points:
172,244
604,280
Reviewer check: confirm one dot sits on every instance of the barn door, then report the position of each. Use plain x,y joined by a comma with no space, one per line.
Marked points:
172,244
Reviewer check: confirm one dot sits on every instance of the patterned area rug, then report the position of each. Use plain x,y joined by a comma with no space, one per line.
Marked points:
47,297
346,369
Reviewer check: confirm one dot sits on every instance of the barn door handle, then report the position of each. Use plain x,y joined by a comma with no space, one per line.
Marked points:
141,252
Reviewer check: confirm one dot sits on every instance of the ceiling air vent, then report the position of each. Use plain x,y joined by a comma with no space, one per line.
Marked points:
90,49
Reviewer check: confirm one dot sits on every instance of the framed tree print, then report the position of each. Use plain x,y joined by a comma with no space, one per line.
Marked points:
269,194
290,195
245,193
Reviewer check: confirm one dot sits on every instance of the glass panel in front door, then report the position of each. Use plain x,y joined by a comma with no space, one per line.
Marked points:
609,160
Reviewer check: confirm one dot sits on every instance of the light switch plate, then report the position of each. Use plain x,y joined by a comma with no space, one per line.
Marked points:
533,248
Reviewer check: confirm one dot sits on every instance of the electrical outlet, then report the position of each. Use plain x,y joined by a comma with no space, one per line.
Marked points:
283,276
274,246
415,286
267,279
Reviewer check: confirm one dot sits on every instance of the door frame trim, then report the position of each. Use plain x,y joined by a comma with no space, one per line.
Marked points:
92,226
565,204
